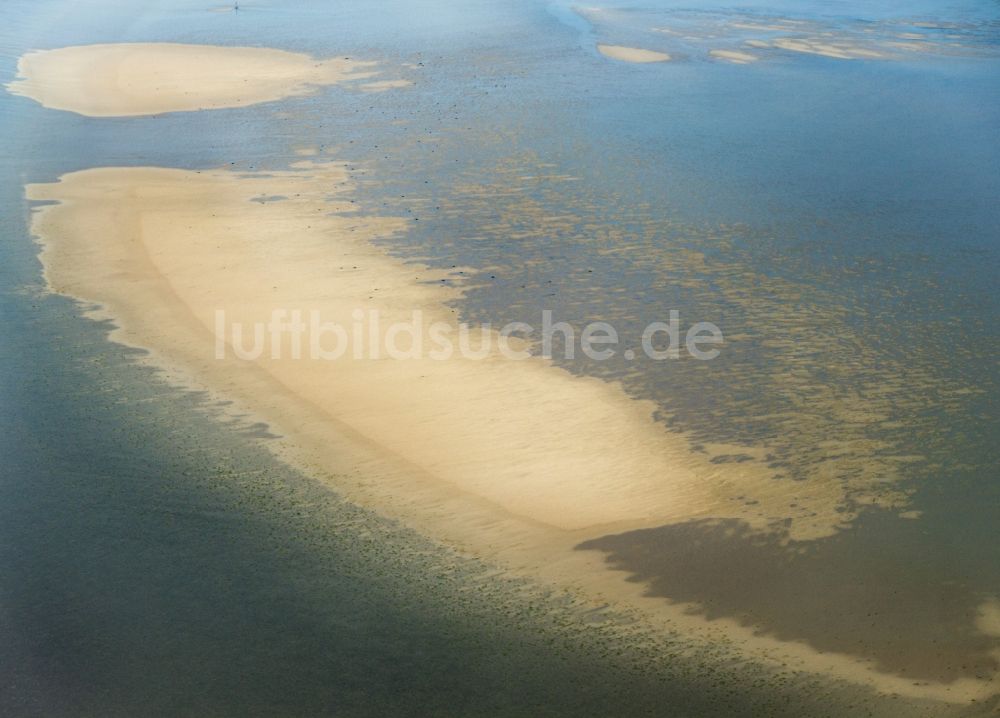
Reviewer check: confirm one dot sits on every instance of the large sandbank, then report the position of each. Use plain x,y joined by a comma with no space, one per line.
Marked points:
513,460
163,250
125,79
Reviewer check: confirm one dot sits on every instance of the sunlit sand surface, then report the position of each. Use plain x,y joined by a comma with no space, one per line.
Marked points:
734,56
569,479
839,51
516,461
125,79
693,33
383,85
632,54
567,452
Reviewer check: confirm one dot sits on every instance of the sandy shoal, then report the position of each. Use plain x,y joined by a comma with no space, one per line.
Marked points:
838,51
734,56
632,54
128,79
163,250
516,461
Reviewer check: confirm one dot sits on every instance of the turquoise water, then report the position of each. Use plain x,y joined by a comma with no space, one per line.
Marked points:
837,219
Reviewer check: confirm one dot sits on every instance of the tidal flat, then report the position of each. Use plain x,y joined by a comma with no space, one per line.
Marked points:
204,515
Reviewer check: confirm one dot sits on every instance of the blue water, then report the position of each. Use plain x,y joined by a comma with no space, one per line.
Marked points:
837,219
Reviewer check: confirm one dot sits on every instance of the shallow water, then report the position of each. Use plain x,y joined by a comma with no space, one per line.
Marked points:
836,218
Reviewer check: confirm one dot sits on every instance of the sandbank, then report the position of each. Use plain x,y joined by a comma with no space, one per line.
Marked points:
814,46
129,79
734,56
632,54
164,250
383,85
511,460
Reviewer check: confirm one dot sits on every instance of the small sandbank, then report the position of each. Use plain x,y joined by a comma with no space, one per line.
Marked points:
826,48
632,54
128,79
383,85
734,56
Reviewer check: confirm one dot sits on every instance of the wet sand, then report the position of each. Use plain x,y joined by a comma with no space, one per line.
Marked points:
512,460
780,37
632,54
127,79
176,247
734,56
518,461
836,50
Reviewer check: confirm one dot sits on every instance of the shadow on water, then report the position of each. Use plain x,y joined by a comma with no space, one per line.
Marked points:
860,592
155,562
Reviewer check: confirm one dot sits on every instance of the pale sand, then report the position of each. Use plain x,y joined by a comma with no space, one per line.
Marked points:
780,26
383,85
545,446
840,51
542,445
514,461
632,54
128,79
734,56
